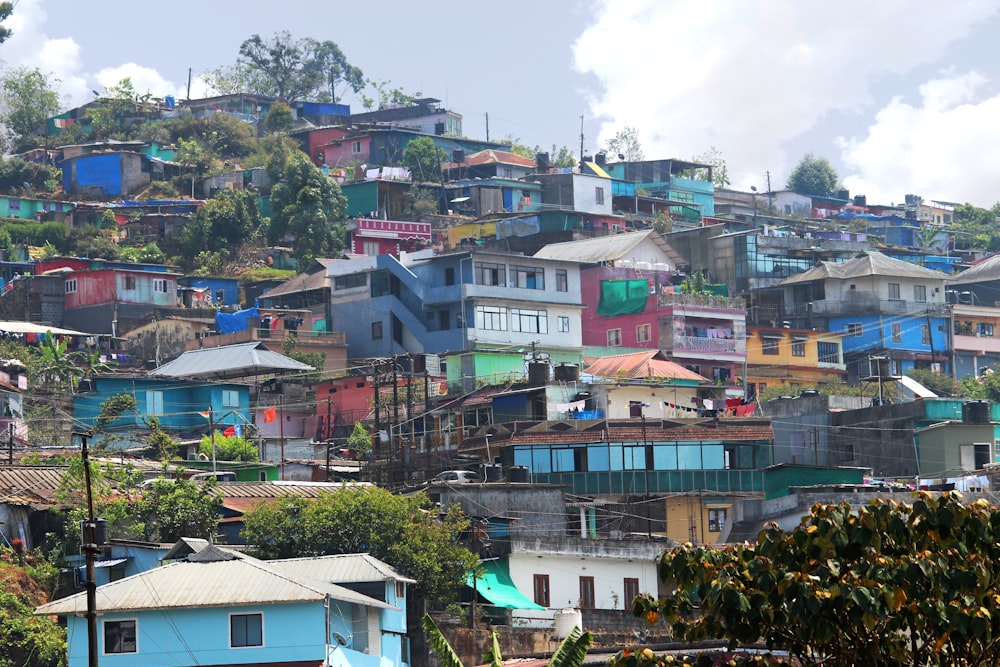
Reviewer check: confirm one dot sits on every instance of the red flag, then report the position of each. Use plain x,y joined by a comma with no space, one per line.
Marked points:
231,431
270,414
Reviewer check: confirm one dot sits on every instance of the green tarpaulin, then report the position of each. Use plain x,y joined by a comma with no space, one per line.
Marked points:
623,297
496,586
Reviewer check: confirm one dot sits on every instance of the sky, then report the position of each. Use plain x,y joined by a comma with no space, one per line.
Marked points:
901,96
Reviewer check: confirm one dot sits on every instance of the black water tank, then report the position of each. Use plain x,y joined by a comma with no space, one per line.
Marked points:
538,372
976,412
542,161
492,472
458,155
566,372
520,474
600,159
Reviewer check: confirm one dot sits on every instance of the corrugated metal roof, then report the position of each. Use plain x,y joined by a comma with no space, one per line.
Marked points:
340,568
29,327
610,248
228,361
25,482
302,282
242,496
984,271
637,365
868,264
240,581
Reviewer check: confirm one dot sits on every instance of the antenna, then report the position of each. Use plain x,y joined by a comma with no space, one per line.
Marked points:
581,138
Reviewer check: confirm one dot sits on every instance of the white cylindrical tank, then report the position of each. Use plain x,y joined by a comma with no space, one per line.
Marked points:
566,620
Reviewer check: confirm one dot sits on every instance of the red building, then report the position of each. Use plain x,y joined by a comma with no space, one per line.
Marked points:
387,237
112,301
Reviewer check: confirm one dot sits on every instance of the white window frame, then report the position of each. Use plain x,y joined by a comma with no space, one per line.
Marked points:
154,403
562,324
230,398
529,320
643,333
614,337
920,293
894,292
491,318
356,147
251,646
896,332
854,329
160,285
70,286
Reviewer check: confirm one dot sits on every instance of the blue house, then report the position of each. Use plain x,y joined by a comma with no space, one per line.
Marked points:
219,291
220,607
177,404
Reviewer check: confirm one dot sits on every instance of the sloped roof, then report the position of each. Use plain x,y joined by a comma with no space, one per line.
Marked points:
340,568
23,482
302,282
607,248
981,272
864,265
242,496
213,577
638,365
492,156
229,361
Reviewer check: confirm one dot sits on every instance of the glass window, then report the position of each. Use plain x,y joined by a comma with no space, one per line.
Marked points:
491,318
376,330
920,293
598,195
541,582
528,277
246,630
562,460
925,334
642,334
154,403
689,457
230,398
119,636
563,324
350,280
597,458
562,280
855,329
587,593
664,457
716,519
631,585
160,285
770,344
798,347
489,273
829,353
897,332
71,286
614,337
528,321
894,291
129,282
984,330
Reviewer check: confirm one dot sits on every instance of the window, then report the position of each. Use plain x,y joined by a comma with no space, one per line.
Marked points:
528,277
350,280
488,273
355,147
770,344
587,593
119,636
925,334
788,209
491,318
528,321
598,195
897,332
449,276
129,282
230,398
377,330
246,630
642,333
400,590
614,337
716,520
720,373
631,591
160,285
70,286
798,347
14,204
855,329
542,589
563,324
984,330
370,248
894,291
562,280
154,403
920,293
508,172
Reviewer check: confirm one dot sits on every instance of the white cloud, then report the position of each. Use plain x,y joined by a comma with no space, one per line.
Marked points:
144,80
939,149
748,78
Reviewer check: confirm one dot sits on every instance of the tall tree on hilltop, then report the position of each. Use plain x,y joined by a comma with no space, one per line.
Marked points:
813,176
336,70
285,64
424,159
625,143
29,99
308,209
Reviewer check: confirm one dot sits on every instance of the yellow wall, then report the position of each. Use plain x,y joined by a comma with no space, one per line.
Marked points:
689,518
475,230
784,368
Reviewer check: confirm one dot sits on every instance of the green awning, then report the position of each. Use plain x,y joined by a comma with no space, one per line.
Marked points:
496,586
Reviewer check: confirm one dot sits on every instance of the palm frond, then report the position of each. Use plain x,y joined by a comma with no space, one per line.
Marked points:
572,650
442,649
493,656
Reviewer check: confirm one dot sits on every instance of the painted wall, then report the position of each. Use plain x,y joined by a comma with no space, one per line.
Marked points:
29,209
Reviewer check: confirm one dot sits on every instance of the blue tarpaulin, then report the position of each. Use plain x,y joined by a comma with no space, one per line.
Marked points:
238,321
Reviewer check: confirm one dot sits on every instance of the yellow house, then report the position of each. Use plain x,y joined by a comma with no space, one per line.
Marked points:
793,358
471,230
698,519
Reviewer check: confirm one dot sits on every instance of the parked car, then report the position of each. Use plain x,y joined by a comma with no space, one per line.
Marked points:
458,477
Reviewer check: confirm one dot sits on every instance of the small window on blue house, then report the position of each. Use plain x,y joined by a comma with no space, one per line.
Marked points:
246,630
154,403
119,636
925,334
13,204
400,590
230,398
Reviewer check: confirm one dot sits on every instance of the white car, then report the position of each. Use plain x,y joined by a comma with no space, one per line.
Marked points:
458,477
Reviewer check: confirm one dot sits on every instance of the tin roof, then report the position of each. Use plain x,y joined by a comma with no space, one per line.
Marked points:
38,484
608,248
866,264
641,365
228,361
340,568
213,577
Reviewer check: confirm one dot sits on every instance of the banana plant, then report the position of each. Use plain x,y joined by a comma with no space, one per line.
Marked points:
570,653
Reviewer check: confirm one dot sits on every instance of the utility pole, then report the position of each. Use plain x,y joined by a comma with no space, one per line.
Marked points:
90,550
769,192
10,444
581,140
281,434
211,434
487,126
395,421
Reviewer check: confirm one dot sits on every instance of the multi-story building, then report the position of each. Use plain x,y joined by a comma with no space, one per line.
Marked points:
792,358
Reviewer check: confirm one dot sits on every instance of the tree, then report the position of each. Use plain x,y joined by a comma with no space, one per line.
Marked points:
563,158
224,223
940,384
424,159
813,176
713,158
20,176
359,441
280,119
29,99
571,652
332,63
228,448
399,530
386,96
883,584
308,208
625,143
107,113
6,9
27,640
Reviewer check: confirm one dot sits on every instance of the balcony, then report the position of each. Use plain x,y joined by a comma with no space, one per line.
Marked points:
704,344
702,301
862,305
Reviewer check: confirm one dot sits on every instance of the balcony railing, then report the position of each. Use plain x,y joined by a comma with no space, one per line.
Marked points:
703,301
704,344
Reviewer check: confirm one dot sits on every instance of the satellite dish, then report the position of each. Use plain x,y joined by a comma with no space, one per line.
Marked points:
340,639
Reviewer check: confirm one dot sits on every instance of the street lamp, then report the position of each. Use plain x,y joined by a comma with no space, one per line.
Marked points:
753,189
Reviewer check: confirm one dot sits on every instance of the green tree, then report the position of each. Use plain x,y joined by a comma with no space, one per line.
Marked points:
399,530
29,98
359,441
720,172
107,113
940,384
293,69
883,584
19,176
626,143
424,159
813,176
27,640
280,119
165,511
386,96
227,221
976,227
229,448
563,158
6,9
336,70
308,208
